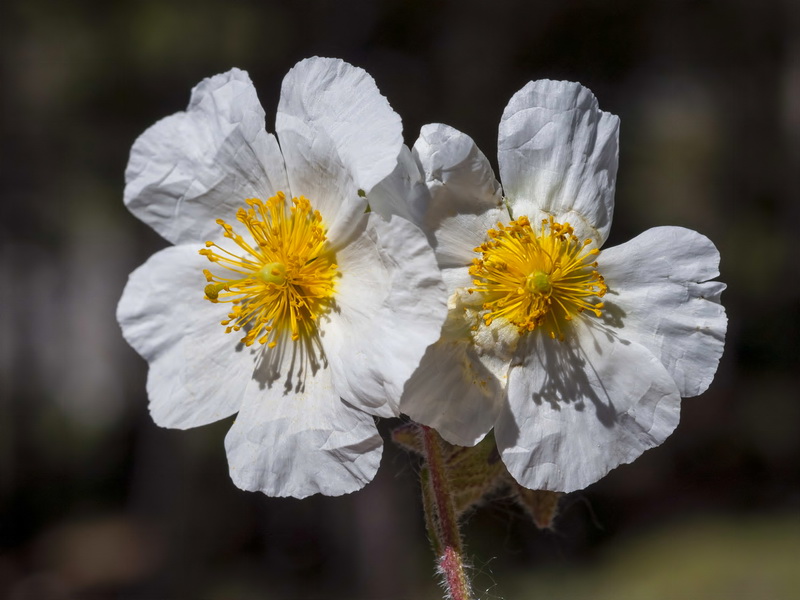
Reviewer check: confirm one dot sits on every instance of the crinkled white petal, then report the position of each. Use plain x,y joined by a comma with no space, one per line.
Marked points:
403,192
660,296
194,167
197,373
300,442
453,392
458,175
459,385
465,198
558,153
390,306
579,408
457,280
338,135
458,236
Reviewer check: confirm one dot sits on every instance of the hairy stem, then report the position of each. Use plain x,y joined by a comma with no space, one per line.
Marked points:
440,517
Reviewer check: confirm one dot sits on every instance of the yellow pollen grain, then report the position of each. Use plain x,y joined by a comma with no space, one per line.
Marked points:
536,279
281,278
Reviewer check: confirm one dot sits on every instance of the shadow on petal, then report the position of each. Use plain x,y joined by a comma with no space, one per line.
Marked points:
291,361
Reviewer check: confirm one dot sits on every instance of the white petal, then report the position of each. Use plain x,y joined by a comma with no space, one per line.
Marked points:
457,173
579,408
457,280
458,386
454,393
338,135
403,192
447,187
459,235
194,167
660,296
287,443
391,304
198,373
558,154
465,198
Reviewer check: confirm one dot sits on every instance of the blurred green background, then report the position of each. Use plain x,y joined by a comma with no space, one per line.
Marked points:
97,502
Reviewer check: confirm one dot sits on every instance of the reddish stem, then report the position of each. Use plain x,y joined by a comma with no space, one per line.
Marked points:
443,524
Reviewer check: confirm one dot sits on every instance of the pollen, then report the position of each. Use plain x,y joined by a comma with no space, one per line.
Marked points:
280,279
537,279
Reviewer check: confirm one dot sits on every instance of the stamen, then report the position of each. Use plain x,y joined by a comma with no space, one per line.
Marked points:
284,280
536,279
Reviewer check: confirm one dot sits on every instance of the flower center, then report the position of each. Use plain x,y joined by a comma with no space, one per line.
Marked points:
284,280
536,279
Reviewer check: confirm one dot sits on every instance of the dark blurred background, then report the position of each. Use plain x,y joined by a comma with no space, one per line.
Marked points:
97,502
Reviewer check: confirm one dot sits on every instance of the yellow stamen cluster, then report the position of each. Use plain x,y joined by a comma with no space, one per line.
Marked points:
536,279
284,280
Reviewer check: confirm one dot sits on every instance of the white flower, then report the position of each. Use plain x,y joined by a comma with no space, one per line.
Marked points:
578,357
325,309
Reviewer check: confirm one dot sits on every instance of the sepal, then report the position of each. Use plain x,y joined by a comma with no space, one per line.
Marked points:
541,505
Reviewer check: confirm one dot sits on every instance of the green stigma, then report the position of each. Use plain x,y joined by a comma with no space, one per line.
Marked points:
273,273
538,282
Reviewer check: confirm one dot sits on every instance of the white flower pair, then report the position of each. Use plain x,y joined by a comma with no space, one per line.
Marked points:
286,301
